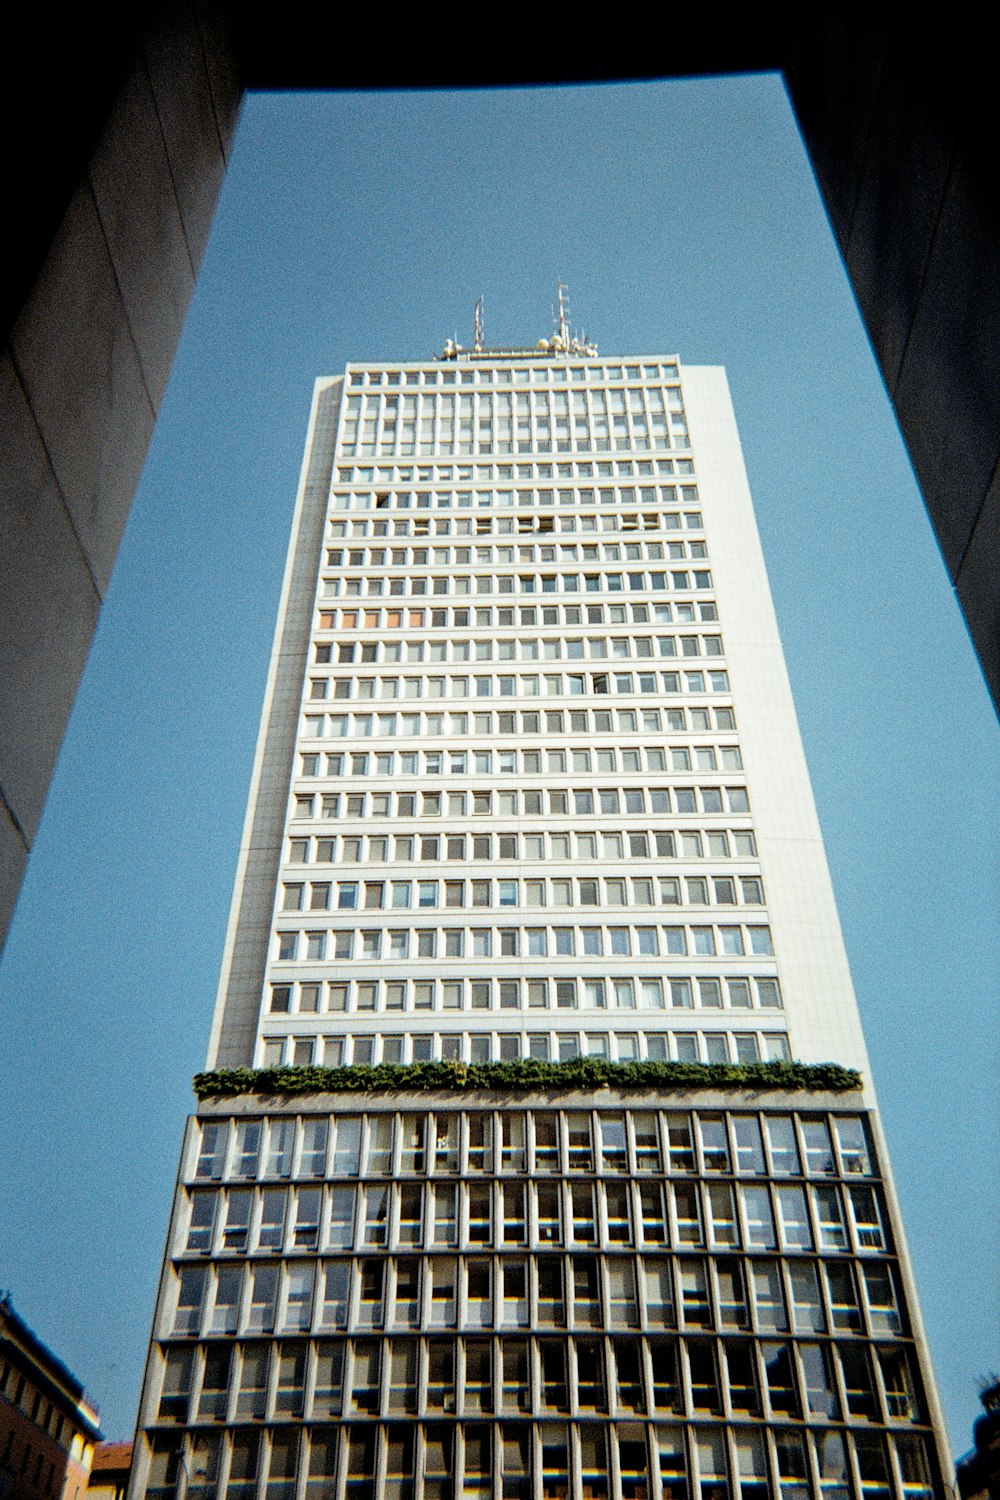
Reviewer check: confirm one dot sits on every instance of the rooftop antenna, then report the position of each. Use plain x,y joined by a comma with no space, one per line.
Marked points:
563,319
477,341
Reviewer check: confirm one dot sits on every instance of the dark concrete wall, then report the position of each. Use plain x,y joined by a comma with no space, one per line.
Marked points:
117,222
901,129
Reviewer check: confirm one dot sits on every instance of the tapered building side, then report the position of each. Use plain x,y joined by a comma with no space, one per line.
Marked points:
530,807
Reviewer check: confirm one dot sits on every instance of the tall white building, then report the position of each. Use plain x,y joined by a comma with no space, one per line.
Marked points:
530,798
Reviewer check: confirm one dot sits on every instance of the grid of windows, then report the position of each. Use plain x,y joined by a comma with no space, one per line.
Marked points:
617,824
520,826
511,413
678,1287
589,508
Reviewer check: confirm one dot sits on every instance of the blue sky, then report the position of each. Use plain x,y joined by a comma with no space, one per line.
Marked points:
685,219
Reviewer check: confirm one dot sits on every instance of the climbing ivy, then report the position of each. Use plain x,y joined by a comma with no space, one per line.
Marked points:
524,1076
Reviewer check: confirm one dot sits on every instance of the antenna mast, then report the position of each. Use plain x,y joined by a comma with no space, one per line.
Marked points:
564,341
562,329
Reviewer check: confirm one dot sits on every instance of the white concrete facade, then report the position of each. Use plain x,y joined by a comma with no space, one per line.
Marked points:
592,579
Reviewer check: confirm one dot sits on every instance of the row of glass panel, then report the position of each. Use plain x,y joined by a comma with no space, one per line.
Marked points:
731,992
550,1461
389,477
578,759
505,554
616,1292
395,944
566,482
435,401
646,435
613,1212
496,441
626,1376
298,1051
448,542
550,801
554,648
484,617
447,426
514,685
658,512
553,721
488,369
492,494
538,536
492,421
401,895
635,1141
637,843
415,585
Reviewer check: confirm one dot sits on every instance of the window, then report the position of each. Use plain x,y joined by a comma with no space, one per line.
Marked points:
866,1216
914,1468
176,1387
759,1220
883,1305
617,1204
190,1297
372,1293
750,1157
622,1304
733,1310
852,1141
202,1221
298,1296
264,1293
830,1218
335,1294
795,1230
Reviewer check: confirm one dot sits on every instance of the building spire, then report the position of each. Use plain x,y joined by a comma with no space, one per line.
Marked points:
477,339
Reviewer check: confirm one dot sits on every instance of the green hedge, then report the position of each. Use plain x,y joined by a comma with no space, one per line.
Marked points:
516,1077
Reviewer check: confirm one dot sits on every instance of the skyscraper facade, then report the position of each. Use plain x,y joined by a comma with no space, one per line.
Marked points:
538,1155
